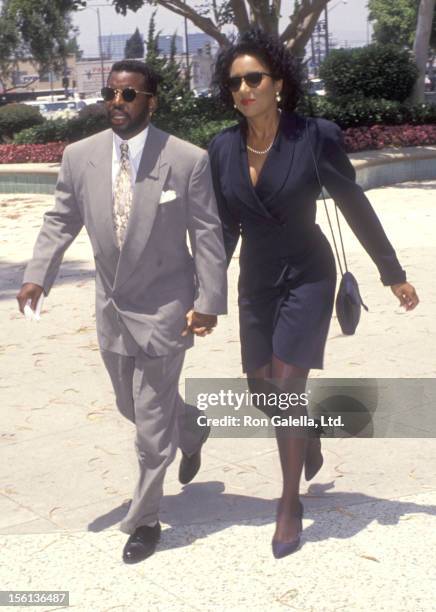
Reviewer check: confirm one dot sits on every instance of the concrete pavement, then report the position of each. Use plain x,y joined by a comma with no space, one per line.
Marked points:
68,463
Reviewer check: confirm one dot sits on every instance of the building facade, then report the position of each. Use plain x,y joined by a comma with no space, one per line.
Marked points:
113,45
27,80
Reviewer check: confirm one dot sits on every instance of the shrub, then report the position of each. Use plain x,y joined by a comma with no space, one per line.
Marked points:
52,130
374,71
93,110
87,125
355,139
17,117
37,153
202,134
351,112
65,130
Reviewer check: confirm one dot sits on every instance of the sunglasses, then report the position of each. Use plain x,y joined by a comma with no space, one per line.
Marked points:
128,94
252,79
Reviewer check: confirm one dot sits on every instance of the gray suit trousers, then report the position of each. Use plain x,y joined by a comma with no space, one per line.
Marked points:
146,392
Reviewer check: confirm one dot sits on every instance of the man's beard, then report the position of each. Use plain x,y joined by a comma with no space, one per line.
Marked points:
132,126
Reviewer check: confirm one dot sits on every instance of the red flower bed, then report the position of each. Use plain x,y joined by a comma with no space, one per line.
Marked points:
27,153
380,136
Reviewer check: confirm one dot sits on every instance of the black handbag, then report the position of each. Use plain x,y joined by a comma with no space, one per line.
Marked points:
348,299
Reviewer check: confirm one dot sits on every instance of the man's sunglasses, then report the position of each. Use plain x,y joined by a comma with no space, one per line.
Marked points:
128,93
252,79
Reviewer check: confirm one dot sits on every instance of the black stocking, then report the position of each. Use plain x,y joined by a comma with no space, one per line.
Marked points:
292,443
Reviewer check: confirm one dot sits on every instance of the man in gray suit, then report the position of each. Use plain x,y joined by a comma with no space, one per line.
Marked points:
139,191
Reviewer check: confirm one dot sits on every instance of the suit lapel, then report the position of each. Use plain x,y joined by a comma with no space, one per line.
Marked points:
100,195
150,179
274,173
239,176
279,162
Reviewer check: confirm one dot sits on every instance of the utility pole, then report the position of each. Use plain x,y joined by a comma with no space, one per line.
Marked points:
100,49
100,44
188,68
312,46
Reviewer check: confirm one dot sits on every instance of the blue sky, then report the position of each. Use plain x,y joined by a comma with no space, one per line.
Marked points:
348,22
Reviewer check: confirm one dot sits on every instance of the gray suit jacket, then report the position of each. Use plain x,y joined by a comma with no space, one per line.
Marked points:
143,292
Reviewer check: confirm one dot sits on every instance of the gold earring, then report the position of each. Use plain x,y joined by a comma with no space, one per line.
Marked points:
278,96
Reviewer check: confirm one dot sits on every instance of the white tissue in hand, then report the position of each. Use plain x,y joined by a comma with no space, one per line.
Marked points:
33,315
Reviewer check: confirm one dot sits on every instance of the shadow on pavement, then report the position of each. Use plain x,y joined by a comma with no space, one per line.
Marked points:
337,517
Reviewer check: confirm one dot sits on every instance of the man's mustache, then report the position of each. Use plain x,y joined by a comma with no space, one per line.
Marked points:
118,111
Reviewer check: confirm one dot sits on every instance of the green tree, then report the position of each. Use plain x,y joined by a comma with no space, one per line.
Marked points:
153,57
74,49
134,46
9,44
211,16
421,46
39,30
395,22
375,71
173,90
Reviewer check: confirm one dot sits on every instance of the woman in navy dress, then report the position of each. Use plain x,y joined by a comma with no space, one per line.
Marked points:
266,188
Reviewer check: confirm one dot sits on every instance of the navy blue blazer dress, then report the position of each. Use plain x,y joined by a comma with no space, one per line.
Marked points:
287,269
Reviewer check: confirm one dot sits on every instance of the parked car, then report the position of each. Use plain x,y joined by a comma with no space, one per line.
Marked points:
316,87
429,84
93,100
52,109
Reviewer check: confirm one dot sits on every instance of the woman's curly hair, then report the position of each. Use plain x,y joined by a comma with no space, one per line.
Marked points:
271,52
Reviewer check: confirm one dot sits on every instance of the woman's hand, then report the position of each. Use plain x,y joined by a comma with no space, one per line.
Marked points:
406,293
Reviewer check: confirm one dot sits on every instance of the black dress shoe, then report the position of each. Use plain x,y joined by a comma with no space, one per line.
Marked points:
141,544
190,464
283,549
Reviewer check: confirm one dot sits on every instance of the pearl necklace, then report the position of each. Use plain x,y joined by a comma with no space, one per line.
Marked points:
264,152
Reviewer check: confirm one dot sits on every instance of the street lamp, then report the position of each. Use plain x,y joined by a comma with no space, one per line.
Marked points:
100,48
326,19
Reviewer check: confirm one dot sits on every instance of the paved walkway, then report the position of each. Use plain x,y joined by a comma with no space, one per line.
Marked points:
68,464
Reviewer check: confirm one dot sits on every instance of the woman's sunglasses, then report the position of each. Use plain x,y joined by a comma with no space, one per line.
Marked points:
252,79
128,93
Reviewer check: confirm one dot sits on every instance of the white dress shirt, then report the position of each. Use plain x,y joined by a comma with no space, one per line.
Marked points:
136,146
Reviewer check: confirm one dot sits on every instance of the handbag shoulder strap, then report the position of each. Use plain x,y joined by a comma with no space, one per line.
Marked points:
326,208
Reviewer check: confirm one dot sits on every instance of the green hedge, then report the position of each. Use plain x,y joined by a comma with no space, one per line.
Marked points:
199,126
375,71
346,112
202,134
16,117
350,112
52,130
69,130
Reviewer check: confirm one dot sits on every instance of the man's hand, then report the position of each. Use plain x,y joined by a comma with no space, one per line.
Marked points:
406,293
199,324
29,291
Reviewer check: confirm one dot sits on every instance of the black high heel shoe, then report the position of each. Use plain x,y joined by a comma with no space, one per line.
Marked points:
283,549
311,469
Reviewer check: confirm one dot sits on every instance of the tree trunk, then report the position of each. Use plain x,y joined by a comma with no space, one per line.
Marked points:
303,21
296,34
421,46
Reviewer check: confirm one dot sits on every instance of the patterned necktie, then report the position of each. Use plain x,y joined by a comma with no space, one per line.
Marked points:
123,194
